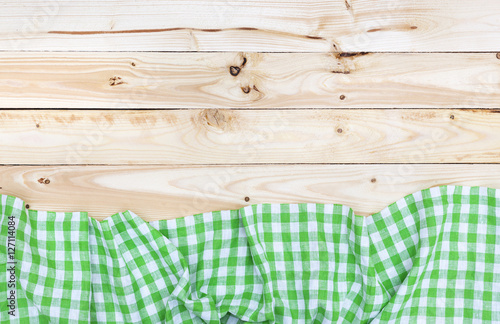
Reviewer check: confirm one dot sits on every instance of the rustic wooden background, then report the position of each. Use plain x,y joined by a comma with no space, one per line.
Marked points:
170,108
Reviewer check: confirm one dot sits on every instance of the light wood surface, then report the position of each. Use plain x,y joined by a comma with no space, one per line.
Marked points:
249,80
158,192
216,136
244,25
174,107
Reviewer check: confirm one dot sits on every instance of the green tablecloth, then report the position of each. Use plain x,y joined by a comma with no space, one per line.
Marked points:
432,256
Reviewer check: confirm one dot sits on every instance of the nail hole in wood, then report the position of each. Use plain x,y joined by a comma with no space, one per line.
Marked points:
27,206
247,199
339,130
133,64
498,56
47,181
452,117
373,180
37,125
342,97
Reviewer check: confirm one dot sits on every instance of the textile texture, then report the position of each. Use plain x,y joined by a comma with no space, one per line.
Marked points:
431,257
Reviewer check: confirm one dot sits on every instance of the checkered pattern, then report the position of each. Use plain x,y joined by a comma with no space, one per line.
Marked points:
429,257
437,255
52,262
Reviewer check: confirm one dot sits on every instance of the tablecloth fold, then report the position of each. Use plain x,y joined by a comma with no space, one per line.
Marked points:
432,256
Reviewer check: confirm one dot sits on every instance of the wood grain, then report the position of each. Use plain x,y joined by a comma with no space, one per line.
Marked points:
280,66
256,25
161,193
216,136
249,80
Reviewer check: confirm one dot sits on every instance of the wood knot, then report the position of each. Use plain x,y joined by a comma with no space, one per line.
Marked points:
342,97
498,56
245,89
217,120
44,181
373,180
116,80
234,70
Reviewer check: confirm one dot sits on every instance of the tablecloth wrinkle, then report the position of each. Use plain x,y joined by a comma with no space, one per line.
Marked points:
432,256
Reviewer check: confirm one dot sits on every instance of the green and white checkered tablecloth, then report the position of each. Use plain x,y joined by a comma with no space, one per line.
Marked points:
431,257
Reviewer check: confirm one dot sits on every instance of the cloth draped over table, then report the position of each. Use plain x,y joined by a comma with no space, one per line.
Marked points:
432,256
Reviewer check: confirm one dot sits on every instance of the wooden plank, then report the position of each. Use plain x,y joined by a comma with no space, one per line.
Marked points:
214,136
248,80
159,192
250,25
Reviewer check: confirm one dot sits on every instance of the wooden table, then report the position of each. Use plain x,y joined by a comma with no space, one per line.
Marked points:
170,108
